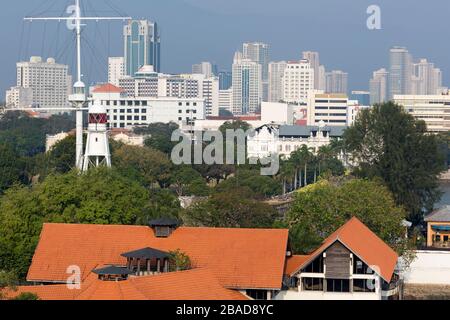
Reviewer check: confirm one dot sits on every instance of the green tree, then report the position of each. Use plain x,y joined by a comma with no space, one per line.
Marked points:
160,136
100,196
321,208
188,182
147,165
232,209
8,281
387,142
179,261
12,167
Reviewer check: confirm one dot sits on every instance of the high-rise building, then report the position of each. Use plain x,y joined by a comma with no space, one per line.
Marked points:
225,80
19,97
247,85
426,78
322,83
400,71
336,82
205,68
226,100
48,80
314,61
142,46
116,69
276,73
379,86
259,52
298,80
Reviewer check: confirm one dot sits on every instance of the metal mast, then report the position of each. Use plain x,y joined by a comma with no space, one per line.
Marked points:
78,98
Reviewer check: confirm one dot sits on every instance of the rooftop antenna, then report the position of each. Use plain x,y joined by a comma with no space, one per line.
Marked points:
78,98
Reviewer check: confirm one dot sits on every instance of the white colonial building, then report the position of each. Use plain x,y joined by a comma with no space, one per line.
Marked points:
285,139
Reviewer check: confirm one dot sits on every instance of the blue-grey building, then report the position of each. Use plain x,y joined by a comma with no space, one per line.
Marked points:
142,46
225,80
363,97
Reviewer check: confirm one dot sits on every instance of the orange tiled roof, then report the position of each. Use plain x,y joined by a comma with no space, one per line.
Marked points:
359,239
293,264
196,284
107,88
239,258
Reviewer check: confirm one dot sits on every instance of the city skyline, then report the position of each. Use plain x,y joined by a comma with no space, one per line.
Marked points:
373,46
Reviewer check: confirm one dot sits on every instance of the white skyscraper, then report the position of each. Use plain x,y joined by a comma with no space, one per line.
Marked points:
322,79
336,82
247,85
49,81
379,86
259,52
116,69
426,78
314,61
298,79
400,72
204,68
276,73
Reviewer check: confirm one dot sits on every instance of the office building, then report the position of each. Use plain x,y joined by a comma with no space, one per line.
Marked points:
226,100
379,86
142,46
49,82
363,97
298,79
247,85
336,82
400,71
276,74
314,61
19,97
426,79
116,69
259,52
204,68
225,80
331,108
433,109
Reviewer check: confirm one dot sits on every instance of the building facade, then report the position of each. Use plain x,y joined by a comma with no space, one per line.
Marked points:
142,46
379,86
49,81
336,82
400,71
116,69
314,61
128,112
276,74
259,52
332,109
19,97
204,68
298,80
433,109
247,85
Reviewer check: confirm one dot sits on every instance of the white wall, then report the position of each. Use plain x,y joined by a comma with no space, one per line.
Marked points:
319,295
429,267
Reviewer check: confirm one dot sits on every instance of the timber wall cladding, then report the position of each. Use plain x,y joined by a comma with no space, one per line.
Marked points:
338,262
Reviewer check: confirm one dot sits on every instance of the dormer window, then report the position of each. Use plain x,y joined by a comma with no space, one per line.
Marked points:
164,227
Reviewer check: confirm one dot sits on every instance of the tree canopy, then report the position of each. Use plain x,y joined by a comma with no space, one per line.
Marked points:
389,143
321,208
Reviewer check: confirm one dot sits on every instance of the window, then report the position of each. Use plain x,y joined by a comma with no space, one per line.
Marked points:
360,267
363,285
129,118
316,266
180,104
312,284
257,294
338,285
144,118
445,238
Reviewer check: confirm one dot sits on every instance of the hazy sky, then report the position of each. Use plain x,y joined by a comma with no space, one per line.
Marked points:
211,30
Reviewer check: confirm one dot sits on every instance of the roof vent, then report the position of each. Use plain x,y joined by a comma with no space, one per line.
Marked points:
164,227
113,273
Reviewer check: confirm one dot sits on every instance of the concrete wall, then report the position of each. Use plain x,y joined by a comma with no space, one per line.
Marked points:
319,295
429,267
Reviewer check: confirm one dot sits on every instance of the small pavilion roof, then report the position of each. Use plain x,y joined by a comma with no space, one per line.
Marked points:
146,253
164,222
113,270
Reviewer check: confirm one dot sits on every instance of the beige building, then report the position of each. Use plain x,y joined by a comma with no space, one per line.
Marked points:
433,109
331,108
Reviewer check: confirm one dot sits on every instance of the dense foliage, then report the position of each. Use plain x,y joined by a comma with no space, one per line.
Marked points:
387,142
322,208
